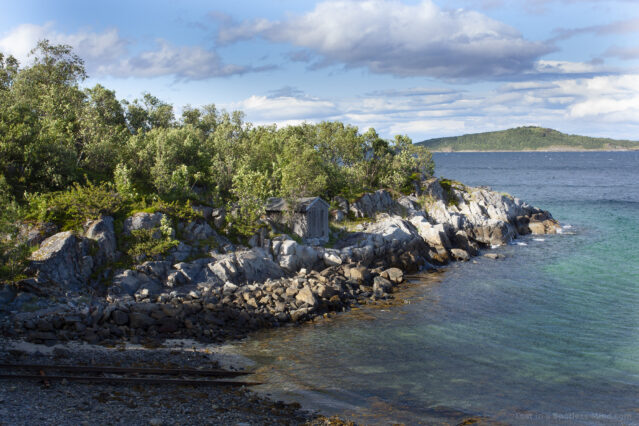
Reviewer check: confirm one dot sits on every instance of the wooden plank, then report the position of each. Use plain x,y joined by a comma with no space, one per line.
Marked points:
127,370
131,380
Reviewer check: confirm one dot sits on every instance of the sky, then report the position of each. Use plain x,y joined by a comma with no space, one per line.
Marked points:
423,68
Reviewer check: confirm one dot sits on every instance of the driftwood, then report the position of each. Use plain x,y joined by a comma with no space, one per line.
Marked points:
125,375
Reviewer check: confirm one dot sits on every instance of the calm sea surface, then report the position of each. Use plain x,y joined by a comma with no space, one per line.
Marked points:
550,335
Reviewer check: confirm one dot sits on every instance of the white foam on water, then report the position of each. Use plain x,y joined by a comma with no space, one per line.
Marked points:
539,239
522,244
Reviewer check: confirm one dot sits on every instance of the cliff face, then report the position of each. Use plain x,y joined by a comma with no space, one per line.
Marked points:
225,294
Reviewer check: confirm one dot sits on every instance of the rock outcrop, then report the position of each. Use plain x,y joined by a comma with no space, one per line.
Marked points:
227,291
63,259
102,232
375,202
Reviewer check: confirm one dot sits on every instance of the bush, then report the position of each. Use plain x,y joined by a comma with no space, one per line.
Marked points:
70,209
145,242
13,252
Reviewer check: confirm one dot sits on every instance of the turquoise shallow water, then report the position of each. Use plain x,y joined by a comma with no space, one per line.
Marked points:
550,335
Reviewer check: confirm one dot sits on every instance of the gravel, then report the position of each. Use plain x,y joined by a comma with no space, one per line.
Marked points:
28,402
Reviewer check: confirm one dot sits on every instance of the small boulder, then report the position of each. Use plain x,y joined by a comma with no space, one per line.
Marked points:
102,232
229,287
358,273
395,275
332,258
142,221
256,266
494,256
460,254
176,279
381,285
305,295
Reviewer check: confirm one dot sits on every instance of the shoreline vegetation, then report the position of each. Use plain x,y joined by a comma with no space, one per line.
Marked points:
526,139
123,224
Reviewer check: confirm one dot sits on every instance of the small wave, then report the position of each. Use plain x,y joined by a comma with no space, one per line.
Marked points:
494,246
539,239
566,226
560,231
521,244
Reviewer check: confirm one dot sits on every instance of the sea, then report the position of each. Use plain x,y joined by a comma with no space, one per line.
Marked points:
548,335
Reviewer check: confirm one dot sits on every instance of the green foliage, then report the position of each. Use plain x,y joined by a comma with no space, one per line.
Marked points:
39,115
148,113
524,139
145,242
251,188
56,139
303,173
123,180
102,132
70,209
13,252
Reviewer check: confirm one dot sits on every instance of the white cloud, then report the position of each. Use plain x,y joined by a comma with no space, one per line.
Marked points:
389,37
567,67
90,46
280,108
428,126
605,98
183,62
106,53
588,105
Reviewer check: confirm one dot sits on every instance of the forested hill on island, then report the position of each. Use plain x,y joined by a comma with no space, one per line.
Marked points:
528,138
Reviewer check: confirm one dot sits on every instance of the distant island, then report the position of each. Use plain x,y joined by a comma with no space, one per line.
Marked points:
529,138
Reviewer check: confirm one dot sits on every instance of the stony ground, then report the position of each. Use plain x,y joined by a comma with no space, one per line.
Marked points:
223,297
29,402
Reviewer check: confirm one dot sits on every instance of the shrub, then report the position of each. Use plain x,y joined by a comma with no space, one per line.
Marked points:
70,209
13,252
145,242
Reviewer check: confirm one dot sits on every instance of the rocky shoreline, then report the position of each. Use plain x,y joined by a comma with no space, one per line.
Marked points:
227,294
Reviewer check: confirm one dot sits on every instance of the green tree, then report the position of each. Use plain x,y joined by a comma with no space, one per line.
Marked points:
39,130
251,188
148,113
102,131
169,160
304,173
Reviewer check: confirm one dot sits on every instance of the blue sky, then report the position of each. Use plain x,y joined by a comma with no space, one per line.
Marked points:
425,68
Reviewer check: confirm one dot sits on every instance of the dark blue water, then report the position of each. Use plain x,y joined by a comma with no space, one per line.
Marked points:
550,335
